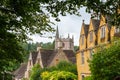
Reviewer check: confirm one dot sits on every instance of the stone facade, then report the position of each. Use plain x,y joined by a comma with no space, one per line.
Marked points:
92,36
65,43
64,51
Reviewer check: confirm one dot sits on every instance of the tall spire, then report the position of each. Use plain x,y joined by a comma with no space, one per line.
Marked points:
57,33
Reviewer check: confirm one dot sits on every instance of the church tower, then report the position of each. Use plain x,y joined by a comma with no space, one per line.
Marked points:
64,43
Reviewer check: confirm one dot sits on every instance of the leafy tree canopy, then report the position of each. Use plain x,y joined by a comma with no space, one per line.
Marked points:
20,18
58,75
35,72
105,64
62,68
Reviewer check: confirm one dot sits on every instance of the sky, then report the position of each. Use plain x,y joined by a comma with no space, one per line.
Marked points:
69,24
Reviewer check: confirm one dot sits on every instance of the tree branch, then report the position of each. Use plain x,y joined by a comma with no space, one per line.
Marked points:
6,9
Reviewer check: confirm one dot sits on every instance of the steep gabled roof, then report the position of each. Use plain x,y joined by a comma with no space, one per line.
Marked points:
96,24
20,72
48,55
34,57
45,56
70,55
86,28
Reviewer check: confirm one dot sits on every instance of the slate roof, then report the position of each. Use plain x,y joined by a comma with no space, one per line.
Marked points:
34,57
86,28
19,73
96,24
70,55
48,55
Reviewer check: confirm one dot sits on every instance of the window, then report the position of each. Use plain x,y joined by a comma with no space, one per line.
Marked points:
91,53
103,32
91,36
83,77
82,58
82,39
117,30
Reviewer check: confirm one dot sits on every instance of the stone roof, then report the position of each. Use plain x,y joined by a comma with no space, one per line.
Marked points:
96,24
19,73
34,57
70,55
86,28
48,55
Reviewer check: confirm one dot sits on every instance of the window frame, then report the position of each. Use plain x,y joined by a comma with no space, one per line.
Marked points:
82,58
102,34
82,39
91,36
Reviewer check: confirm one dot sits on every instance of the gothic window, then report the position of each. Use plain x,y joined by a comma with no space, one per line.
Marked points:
82,39
91,36
102,32
117,30
82,58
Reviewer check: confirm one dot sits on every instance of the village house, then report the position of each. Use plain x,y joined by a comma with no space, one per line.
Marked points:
64,51
93,35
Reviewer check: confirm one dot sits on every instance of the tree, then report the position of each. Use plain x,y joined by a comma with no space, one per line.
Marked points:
35,72
20,18
109,8
105,63
63,67
48,45
58,75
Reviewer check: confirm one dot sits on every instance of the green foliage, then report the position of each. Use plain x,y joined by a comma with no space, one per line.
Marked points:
105,64
33,46
20,18
58,75
66,66
63,67
105,7
76,48
35,72
48,45
88,78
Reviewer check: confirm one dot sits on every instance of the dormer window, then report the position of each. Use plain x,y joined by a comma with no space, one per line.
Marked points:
82,39
102,32
91,36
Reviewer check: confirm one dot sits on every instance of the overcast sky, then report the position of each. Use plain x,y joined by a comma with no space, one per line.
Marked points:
69,24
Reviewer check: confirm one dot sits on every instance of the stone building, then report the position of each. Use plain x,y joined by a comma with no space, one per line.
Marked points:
64,51
92,36
65,43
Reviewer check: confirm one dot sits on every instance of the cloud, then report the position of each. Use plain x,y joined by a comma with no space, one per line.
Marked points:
69,24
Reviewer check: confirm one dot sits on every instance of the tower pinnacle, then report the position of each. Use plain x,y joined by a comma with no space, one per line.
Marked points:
57,33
